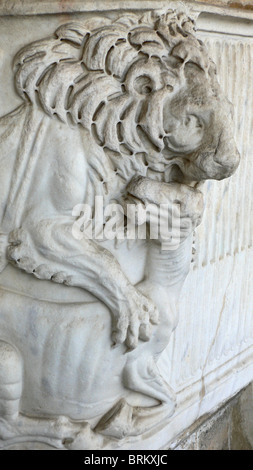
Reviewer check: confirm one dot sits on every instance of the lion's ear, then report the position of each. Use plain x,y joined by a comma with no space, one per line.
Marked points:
192,52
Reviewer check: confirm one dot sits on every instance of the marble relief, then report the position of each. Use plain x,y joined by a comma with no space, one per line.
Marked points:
124,112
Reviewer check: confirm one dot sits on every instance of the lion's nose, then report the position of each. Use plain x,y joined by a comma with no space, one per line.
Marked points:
217,164
226,156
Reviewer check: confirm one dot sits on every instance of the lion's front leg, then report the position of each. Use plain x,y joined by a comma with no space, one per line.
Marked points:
49,251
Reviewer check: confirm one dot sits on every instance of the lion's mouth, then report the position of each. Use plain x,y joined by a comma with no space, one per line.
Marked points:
174,174
169,171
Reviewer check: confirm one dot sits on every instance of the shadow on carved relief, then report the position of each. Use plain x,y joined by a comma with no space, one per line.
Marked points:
129,111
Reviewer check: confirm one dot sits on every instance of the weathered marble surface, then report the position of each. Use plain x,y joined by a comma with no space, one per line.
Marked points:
239,4
34,7
229,428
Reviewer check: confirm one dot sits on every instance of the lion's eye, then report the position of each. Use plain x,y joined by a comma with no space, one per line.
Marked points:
146,90
193,66
192,122
143,85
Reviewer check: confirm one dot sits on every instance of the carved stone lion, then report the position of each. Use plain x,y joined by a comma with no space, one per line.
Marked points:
103,102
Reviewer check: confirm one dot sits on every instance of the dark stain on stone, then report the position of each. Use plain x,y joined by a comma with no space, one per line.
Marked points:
241,6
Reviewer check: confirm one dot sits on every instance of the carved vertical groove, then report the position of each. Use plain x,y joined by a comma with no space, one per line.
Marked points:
227,224
215,321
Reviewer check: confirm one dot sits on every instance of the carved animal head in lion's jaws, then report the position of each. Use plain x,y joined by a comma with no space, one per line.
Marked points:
145,89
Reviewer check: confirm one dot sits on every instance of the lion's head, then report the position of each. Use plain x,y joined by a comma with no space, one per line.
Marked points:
144,87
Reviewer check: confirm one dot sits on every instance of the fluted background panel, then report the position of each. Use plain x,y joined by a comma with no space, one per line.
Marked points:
216,308
228,222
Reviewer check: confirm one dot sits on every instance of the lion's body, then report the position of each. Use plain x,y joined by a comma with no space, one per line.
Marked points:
60,184
57,320
47,334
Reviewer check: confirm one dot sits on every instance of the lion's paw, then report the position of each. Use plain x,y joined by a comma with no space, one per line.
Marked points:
133,320
21,254
19,251
85,438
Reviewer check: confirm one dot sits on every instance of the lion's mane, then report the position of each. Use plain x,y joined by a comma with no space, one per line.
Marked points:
107,75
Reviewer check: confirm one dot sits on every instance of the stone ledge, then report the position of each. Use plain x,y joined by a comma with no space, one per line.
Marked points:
239,8
229,428
239,4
